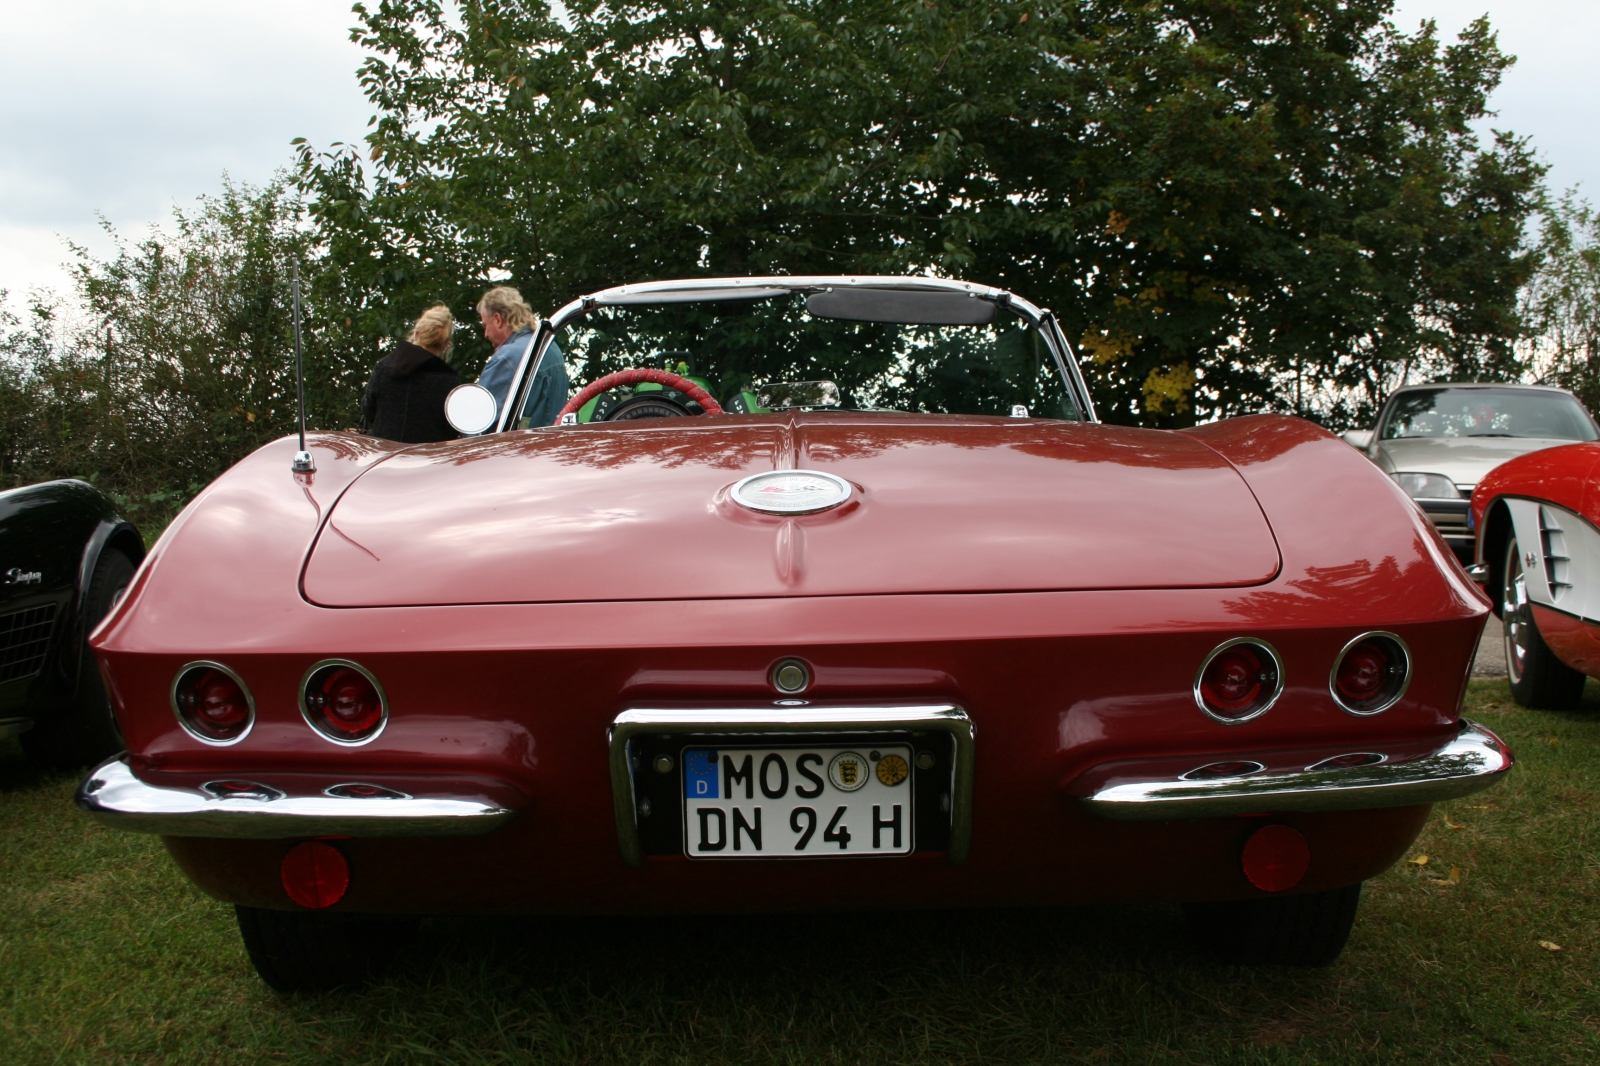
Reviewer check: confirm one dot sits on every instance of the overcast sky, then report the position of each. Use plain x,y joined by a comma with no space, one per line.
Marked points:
127,107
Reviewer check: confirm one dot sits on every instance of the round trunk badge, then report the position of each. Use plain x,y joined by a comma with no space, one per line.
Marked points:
791,492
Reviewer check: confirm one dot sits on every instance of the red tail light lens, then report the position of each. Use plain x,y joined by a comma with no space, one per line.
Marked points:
1371,673
343,702
1239,680
212,704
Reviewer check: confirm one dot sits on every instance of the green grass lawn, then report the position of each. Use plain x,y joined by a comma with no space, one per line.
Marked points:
108,955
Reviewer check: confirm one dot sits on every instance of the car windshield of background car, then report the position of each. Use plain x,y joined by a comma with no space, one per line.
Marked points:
1487,413
743,344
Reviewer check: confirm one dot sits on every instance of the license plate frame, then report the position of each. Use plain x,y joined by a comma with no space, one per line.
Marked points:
648,802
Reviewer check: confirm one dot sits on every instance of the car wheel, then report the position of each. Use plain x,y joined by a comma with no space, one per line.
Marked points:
313,951
1308,930
1538,678
83,730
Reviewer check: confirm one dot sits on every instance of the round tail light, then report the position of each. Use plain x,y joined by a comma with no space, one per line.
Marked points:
1370,674
1276,858
315,875
1239,680
212,703
343,702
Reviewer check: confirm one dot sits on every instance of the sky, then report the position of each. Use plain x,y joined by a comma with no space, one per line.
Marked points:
127,108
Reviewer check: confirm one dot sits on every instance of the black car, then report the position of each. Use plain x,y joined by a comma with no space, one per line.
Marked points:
66,557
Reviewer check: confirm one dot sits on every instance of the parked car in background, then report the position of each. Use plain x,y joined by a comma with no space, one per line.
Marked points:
1438,441
896,624
1539,555
66,557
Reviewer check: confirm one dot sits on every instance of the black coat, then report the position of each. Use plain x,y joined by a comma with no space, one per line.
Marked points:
405,398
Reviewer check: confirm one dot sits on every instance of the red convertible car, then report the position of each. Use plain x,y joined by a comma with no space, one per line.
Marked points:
1538,550
896,623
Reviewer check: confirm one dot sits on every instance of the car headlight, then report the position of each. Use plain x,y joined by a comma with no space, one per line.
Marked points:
1427,486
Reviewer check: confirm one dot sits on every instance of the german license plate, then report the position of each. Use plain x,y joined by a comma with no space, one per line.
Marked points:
794,803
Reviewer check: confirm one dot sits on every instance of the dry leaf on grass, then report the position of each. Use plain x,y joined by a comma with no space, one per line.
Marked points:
1549,945
1418,860
1455,876
1448,824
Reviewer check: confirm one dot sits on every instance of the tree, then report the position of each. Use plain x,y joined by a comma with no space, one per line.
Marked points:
1562,301
1272,205
173,361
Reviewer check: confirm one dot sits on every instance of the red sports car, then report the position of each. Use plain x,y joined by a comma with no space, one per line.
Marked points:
1538,551
896,623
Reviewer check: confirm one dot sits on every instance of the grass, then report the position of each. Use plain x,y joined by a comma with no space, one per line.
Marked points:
108,955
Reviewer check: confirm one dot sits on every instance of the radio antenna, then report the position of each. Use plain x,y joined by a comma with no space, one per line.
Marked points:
303,463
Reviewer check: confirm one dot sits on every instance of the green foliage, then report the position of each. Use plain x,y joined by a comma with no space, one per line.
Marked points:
1562,301
174,362
1235,206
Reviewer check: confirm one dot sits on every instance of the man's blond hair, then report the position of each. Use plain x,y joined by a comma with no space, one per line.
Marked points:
506,301
435,330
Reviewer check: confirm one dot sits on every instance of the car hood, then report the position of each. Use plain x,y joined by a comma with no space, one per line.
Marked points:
1464,460
642,511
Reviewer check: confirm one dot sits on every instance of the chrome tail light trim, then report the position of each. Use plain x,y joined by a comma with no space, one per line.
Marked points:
781,721
1400,690
1473,760
1277,681
322,730
183,723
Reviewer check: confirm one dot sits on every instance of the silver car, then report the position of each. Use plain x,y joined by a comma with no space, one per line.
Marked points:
1437,441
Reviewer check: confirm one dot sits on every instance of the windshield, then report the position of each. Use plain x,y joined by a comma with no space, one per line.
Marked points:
1487,413
787,350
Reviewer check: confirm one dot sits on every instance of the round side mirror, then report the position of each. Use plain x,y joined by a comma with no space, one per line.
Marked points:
470,409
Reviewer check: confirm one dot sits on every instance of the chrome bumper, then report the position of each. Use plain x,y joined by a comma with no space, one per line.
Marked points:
119,800
778,721
1472,761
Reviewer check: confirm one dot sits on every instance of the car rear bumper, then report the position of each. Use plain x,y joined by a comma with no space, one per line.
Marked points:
119,800
1473,760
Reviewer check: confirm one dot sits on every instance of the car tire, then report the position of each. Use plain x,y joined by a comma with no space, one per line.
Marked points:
1305,930
83,730
1538,678
314,951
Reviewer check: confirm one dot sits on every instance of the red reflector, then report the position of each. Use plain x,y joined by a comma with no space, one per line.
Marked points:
1276,857
315,874
1363,671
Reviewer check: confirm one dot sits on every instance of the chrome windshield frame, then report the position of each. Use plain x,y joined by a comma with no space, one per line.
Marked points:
730,289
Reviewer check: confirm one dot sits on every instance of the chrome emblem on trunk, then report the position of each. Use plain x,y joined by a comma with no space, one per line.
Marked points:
788,492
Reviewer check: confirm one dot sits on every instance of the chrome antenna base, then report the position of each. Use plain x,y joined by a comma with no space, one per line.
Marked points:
303,463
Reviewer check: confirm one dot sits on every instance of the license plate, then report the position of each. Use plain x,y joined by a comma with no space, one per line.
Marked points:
795,803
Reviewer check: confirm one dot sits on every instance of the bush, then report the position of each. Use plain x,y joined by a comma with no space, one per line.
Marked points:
175,358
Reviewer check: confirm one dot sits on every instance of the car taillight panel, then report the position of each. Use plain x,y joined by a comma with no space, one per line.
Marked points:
1241,679
212,703
1370,674
343,701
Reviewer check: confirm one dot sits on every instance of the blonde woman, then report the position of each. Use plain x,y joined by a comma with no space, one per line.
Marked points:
509,324
405,398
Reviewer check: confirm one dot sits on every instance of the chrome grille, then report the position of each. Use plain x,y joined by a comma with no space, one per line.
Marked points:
24,640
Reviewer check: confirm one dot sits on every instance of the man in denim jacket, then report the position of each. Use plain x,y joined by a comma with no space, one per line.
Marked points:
509,323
